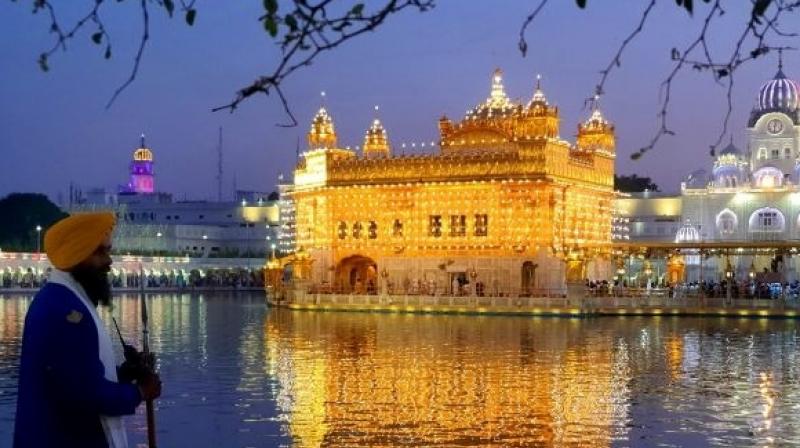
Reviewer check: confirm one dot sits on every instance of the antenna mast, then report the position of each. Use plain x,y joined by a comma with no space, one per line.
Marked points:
219,166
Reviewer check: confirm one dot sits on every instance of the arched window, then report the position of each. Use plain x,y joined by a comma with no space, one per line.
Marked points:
373,230
342,230
768,177
727,222
787,153
767,219
762,153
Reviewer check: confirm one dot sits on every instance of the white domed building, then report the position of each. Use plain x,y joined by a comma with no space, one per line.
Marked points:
752,196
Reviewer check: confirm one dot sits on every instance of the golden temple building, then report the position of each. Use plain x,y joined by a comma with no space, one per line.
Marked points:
505,204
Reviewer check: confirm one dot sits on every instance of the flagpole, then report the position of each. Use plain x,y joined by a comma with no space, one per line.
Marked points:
151,420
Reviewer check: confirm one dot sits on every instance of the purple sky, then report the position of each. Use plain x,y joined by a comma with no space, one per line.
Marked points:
54,127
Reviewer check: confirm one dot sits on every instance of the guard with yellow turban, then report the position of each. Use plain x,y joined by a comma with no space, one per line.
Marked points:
69,391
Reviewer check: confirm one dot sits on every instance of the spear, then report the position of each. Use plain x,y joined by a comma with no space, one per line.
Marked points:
151,417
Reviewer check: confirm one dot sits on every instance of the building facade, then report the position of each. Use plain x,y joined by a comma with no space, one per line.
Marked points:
505,204
751,196
151,222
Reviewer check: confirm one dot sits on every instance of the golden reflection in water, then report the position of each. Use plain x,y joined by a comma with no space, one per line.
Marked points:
674,351
388,380
12,317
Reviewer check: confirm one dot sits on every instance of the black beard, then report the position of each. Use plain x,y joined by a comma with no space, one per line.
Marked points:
95,283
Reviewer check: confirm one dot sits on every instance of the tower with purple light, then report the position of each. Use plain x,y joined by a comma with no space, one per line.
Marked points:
141,168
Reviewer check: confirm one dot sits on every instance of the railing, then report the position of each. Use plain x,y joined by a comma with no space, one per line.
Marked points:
655,299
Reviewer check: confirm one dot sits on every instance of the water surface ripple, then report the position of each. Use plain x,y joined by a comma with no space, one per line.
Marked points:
238,374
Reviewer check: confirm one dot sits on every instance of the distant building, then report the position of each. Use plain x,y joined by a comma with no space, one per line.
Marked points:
142,180
286,230
151,222
751,196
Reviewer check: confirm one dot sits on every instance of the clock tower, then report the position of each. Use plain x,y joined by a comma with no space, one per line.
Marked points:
773,130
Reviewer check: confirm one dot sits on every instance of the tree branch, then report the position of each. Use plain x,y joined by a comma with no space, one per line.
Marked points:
138,58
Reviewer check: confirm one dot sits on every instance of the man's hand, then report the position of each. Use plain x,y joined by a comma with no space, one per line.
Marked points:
150,386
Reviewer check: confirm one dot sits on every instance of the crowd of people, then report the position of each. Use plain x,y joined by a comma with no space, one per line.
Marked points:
194,278
713,289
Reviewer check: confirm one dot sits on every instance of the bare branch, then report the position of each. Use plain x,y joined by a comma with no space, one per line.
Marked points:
138,58
616,61
523,44
317,33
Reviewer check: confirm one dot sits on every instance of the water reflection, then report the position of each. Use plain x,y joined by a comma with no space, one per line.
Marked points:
239,375
392,380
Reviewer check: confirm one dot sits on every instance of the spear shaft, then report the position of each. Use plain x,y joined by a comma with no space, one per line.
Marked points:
151,416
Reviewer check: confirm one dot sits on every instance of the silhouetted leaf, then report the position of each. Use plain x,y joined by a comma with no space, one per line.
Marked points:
97,37
271,6
357,10
721,73
43,62
688,5
581,3
271,26
760,7
191,13
169,5
636,155
107,55
291,22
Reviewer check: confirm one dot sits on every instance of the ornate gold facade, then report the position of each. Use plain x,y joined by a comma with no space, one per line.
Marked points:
504,189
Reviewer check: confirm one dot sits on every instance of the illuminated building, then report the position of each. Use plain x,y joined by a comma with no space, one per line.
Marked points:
150,222
752,196
141,169
286,229
505,201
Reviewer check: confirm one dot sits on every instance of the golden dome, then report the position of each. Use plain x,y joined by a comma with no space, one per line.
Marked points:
596,133
497,105
143,153
376,144
322,133
538,98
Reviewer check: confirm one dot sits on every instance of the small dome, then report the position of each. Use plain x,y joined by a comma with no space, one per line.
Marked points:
731,149
322,121
143,155
498,105
687,233
538,99
376,144
779,94
322,133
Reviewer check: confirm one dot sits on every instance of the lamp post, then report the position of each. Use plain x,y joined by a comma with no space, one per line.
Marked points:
158,242
38,241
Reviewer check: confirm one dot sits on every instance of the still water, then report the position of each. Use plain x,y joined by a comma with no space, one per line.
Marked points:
237,374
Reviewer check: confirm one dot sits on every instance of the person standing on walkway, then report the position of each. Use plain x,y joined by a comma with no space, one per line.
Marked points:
69,393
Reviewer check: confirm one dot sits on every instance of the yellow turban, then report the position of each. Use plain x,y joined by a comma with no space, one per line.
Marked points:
73,239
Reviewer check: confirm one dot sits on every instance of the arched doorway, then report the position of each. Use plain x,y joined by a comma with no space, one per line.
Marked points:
528,277
357,274
676,270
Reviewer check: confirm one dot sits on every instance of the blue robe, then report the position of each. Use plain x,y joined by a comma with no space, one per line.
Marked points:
62,387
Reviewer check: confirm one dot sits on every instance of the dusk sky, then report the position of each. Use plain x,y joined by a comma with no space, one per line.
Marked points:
54,127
